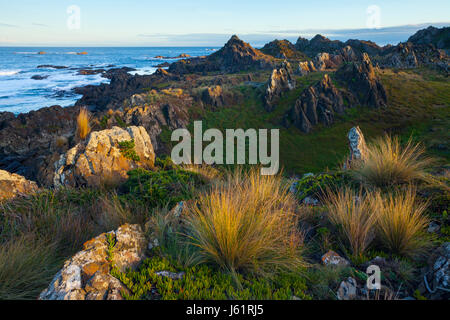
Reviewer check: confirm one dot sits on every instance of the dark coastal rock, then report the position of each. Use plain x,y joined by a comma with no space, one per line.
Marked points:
122,86
235,56
320,44
38,77
363,83
317,104
281,80
438,37
49,66
181,56
317,45
87,72
163,65
409,55
28,139
283,49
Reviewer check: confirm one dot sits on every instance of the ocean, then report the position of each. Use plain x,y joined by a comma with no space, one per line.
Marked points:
20,93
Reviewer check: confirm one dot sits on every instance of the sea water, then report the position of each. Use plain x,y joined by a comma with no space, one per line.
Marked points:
20,93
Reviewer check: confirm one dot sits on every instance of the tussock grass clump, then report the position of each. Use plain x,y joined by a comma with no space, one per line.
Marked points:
248,223
26,267
401,222
389,163
351,212
83,124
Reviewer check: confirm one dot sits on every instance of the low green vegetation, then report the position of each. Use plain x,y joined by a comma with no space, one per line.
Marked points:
203,282
128,151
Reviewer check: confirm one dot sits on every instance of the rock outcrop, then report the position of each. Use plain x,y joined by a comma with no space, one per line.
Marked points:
317,45
280,81
358,147
121,87
437,280
362,81
213,96
317,104
235,56
283,49
102,159
409,55
28,139
438,37
86,276
306,67
12,185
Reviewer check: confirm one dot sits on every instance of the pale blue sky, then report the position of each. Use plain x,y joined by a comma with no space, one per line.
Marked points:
200,22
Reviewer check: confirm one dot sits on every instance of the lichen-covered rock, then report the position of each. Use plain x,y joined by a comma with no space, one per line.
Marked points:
347,290
12,185
331,258
102,159
317,104
86,275
280,81
358,147
437,279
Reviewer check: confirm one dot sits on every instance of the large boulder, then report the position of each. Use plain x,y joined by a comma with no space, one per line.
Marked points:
317,104
12,185
86,276
280,81
105,157
363,82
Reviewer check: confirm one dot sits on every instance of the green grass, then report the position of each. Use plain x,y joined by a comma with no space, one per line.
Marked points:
418,105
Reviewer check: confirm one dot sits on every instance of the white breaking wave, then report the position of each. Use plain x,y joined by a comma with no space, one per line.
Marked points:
9,72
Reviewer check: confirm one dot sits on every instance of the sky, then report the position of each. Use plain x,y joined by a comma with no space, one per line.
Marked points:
209,22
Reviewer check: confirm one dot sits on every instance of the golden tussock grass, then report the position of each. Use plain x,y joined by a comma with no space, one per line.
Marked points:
401,222
83,124
351,212
390,163
248,223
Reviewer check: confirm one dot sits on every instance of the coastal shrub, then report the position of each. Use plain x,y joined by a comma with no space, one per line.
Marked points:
205,283
83,124
390,163
314,185
401,222
161,188
248,223
351,212
127,150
